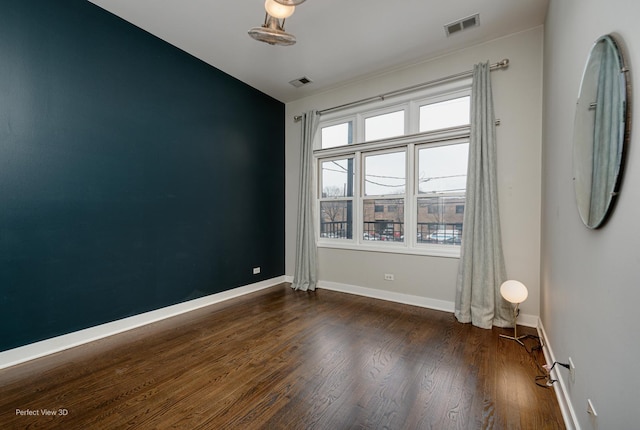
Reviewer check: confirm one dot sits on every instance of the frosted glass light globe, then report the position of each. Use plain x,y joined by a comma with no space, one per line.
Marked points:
514,291
278,10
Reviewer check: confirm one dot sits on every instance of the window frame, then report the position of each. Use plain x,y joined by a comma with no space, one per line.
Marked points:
364,116
331,123
417,195
410,142
416,104
362,197
319,192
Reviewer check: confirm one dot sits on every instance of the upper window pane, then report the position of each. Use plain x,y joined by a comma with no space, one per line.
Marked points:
449,113
337,135
385,174
337,178
443,169
384,126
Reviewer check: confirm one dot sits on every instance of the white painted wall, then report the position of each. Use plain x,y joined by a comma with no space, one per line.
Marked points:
590,280
518,104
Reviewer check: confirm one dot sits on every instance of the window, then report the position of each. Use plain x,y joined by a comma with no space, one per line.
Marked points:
384,174
384,186
384,126
445,114
381,226
336,201
442,169
442,178
337,135
394,177
442,225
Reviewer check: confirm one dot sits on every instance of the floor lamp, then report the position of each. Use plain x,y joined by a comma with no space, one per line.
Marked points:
514,292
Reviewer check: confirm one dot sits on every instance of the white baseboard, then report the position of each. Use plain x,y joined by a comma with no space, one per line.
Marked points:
49,346
408,299
528,320
568,412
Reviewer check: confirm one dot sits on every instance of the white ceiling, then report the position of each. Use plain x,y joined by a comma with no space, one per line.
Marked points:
337,40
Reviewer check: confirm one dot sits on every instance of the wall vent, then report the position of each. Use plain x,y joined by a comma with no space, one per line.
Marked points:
462,24
300,81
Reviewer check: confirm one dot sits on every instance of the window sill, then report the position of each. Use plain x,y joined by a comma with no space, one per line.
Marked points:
443,251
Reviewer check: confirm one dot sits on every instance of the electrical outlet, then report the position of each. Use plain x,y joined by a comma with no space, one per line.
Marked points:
572,370
388,277
256,270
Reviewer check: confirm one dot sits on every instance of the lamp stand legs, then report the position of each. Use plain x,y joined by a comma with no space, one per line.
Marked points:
515,328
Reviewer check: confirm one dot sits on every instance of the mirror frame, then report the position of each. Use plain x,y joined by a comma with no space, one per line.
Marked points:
584,136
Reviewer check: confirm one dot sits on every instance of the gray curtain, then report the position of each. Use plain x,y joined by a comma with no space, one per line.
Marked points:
305,276
481,270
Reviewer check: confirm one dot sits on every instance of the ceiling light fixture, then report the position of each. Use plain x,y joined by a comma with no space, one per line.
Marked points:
290,2
272,31
278,10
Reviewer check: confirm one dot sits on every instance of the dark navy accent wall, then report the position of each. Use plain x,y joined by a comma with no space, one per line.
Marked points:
133,176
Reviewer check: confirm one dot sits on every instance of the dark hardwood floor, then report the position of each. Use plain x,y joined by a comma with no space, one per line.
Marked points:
280,359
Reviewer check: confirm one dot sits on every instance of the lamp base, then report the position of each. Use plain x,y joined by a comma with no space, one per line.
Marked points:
516,338
515,327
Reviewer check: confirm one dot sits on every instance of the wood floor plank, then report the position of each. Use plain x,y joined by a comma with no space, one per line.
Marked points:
280,359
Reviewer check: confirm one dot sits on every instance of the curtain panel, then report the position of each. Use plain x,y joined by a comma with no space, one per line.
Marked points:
482,269
306,271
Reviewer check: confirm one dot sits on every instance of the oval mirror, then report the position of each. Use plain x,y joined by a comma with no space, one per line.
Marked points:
601,130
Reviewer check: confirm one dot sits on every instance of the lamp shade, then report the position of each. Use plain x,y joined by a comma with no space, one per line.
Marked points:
514,291
278,10
290,2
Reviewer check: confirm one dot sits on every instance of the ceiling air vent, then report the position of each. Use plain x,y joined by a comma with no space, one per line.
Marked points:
462,24
300,82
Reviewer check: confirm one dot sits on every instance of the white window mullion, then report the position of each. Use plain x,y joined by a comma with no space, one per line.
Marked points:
413,117
357,199
409,216
358,129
